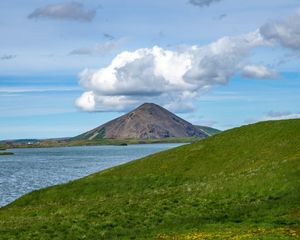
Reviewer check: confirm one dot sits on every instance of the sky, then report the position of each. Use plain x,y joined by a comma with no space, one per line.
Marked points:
69,66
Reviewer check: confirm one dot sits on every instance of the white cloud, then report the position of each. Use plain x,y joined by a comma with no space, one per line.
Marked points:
90,101
280,116
285,32
175,78
170,78
66,11
258,72
99,48
273,115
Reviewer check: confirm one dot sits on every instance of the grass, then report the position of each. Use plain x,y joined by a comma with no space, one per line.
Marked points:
6,153
240,184
106,141
208,130
86,135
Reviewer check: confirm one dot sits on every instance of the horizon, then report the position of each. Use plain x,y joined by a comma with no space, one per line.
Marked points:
58,138
69,66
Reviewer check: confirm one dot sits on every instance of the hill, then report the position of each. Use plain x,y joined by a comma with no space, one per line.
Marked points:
243,183
208,130
148,121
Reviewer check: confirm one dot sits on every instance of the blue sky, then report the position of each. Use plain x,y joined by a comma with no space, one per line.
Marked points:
45,46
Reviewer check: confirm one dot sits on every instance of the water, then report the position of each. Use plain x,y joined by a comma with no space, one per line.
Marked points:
31,169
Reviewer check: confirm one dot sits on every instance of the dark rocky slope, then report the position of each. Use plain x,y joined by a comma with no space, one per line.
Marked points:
148,121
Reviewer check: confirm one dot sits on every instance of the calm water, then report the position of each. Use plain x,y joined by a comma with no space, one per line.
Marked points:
31,169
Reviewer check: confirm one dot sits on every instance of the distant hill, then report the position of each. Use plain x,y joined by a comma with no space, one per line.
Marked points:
148,121
243,183
208,130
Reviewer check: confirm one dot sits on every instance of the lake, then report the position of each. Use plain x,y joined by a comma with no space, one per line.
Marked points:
34,168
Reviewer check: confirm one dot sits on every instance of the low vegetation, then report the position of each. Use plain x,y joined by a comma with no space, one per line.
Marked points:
209,130
3,152
6,153
95,142
239,184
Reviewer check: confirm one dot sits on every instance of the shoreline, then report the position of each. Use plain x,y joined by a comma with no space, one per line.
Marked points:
104,142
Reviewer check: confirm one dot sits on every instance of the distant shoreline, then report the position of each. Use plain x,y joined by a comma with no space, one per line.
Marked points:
77,143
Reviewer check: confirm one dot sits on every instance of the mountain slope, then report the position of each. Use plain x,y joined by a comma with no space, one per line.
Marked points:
240,184
148,121
208,130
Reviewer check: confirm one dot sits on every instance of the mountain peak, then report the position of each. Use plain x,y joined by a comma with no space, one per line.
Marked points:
148,105
148,121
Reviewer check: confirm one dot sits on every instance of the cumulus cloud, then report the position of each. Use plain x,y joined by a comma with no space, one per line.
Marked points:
170,78
99,48
174,78
203,3
281,115
286,32
258,72
8,57
64,11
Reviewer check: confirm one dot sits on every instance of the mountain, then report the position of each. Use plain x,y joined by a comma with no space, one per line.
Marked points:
148,121
242,183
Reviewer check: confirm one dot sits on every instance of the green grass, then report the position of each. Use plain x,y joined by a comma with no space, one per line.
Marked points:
6,153
209,130
240,184
86,135
106,141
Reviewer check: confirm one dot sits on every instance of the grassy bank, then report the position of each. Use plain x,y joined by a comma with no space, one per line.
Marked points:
98,142
240,184
6,153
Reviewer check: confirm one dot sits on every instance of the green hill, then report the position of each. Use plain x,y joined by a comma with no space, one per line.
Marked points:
240,184
209,130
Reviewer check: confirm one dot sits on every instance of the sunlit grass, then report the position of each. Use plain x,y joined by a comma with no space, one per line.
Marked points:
237,234
240,184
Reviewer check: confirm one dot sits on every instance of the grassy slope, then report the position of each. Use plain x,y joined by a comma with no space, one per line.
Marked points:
209,130
243,182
